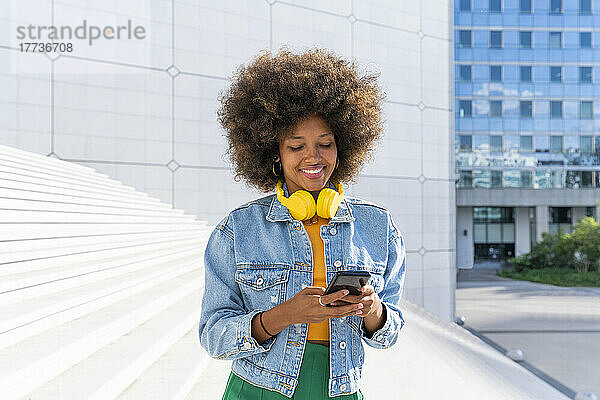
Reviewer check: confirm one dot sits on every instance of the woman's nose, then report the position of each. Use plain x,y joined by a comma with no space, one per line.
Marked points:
313,153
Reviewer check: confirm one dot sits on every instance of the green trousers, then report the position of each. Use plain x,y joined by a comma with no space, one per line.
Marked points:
313,381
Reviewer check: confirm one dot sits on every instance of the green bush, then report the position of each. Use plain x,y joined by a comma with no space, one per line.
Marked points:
579,249
586,240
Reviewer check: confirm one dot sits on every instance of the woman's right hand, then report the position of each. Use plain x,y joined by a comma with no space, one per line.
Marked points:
304,307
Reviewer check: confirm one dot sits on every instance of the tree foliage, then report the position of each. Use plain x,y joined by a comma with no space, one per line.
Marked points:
579,249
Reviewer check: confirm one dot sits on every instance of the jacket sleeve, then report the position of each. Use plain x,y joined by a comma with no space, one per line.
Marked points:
225,326
393,276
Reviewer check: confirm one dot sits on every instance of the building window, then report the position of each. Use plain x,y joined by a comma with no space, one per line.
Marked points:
587,179
481,178
466,179
585,74
496,179
465,5
481,143
579,179
525,6
464,39
555,6
542,143
465,109
585,6
557,179
556,107
495,39
585,40
586,110
496,143
525,39
464,73
495,73
526,108
571,144
495,6
465,143
556,144
525,73
493,225
526,179
556,74
555,40
511,143
495,108
512,178
589,211
560,217
585,144
526,145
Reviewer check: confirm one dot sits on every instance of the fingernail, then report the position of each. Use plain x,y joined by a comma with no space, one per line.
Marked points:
359,312
345,292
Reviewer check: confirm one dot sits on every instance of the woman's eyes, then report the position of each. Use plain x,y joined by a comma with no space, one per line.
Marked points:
299,147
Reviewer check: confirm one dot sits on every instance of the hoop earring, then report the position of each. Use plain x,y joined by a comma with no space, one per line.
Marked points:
337,162
279,169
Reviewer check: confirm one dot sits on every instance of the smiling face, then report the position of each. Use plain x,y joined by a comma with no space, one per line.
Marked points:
308,156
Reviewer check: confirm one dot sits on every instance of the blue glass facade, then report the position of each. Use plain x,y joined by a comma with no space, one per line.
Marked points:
527,93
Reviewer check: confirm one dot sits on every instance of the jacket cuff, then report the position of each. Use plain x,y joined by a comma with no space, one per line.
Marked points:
385,336
245,343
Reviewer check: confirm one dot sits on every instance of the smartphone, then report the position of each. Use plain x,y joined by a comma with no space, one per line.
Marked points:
352,281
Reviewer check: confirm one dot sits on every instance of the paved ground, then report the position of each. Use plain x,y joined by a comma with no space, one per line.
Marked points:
558,329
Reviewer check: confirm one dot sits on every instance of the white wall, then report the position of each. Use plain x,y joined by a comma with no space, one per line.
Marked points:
522,239
144,111
464,243
578,213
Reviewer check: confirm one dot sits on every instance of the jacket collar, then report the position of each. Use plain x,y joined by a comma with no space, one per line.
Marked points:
279,212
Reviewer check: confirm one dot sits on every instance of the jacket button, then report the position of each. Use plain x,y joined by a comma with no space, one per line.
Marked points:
343,387
332,231
247,345
342,345
337,263
260,281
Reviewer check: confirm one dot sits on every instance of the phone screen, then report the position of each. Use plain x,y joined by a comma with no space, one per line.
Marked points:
351,280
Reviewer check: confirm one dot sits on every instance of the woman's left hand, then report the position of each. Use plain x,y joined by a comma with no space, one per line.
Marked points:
368,297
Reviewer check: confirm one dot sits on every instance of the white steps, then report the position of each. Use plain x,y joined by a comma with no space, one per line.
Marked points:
118,365
174,374
100,285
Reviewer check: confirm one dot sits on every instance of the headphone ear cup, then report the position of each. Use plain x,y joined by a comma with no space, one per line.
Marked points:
301,205
328,203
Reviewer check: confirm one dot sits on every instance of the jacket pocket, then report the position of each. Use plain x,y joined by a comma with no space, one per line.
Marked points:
262,288
376,270
377,281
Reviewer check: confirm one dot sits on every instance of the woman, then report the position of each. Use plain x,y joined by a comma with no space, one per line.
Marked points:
300,124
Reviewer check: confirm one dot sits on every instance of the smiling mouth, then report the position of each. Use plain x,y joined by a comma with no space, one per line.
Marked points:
313,173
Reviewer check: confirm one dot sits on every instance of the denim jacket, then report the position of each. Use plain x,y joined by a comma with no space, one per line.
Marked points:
259,256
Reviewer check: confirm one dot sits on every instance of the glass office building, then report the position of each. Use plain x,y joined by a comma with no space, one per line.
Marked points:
527,124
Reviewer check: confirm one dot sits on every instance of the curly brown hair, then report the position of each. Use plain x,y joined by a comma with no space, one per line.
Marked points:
272,94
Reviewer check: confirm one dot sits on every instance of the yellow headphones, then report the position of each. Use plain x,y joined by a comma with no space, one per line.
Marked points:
302,206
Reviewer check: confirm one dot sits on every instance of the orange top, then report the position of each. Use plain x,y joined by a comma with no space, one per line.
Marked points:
317,331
